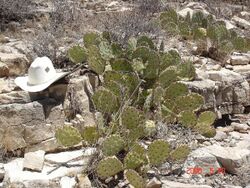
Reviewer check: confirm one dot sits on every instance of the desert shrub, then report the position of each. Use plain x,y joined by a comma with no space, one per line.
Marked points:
138,82
135,22
64,18
14,10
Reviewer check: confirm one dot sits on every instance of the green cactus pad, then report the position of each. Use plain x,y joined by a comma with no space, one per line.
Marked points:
77,54
158,152
112,145
95,60
135,134
91,39
105,101
169,21
131,118
187,119
141,52
206,118
180,153
136,147
68,136
145,41
117,50
191,102
186,71
170,58
112,76
121,64
138,65
134,179
168,109
175,90
90,134
106,50
168,76
133,160
108,167
151,65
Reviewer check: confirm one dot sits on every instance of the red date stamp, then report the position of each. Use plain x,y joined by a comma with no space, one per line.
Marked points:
199,170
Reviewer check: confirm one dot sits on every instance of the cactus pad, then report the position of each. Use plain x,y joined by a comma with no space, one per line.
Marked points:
112,145
187,119
168,76
121,64
191,102
150,128
131,118
145,41
108,167
180,153
91,39
158,93
175,90
95,61
186,71
133,160
134,179
151,65
106,50
105,101
77,54
68,136
206,118
170,58
141,52
158,152
90,134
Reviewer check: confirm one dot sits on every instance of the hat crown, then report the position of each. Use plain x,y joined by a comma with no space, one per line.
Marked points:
41,70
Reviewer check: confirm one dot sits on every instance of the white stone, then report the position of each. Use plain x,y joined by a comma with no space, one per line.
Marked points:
241,22
239,59
220,135
66,156
83,181
240,126
67,182
34,160
154,183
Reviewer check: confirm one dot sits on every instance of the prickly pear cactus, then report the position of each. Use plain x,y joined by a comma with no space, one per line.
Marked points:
133,160
106,51
158,152
175,90
108,167
180,153
131,118
112,145
190,102
90,134
145,41
105,101
68,136
91,39
168,76
134,179
95,60
169,58
204,124
121,64
77,54
187,119
186,71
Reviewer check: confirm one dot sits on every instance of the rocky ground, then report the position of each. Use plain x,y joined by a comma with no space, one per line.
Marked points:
28,121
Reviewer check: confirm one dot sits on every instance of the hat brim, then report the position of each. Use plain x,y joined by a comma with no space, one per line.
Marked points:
22,82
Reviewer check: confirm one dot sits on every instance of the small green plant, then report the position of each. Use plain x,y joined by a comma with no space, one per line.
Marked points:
138,81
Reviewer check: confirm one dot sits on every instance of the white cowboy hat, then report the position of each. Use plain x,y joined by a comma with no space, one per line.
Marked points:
41,75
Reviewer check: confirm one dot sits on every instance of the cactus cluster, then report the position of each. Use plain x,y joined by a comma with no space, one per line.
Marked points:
203,28
136,81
